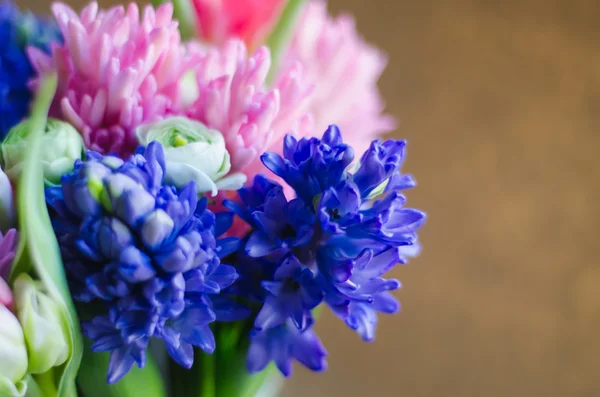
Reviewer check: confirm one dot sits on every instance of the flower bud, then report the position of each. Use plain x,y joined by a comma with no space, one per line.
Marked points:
63,145
192,152
13,353
43,325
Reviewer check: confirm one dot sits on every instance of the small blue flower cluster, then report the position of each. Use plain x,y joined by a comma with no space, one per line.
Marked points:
333,243
18,31
148,252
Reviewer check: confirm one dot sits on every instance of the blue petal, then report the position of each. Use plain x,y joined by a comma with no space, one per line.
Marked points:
259,245
259,355
227,246
274,162
332,136
271,315
120,363
135,266
155,164
224,276
308,349
223,222
203,338
183,354
289,146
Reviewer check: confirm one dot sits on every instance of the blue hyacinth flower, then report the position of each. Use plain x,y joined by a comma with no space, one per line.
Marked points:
346,228
146,251
18,31
311,165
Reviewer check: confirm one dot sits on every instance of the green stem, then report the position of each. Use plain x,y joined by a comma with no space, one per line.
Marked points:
281,35
45,382
33,388
38,117
209,380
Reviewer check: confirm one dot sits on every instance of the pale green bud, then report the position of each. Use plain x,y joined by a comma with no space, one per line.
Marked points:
62,146
43,325
192,152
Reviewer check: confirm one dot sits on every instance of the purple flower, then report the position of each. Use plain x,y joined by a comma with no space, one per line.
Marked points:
251,197
148,251
311,165
335,242
280,224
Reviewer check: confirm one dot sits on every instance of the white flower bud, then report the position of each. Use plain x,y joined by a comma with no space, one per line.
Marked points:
43,325
62,146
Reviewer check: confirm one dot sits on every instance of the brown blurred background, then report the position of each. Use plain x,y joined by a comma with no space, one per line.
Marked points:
500,102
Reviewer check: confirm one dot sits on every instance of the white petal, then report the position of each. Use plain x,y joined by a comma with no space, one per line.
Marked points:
180,175
232,182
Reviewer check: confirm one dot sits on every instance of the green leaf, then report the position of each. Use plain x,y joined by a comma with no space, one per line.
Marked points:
146,382
38,250
281,35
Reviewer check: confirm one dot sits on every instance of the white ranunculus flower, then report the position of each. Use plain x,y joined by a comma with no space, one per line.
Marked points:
62,146
192,152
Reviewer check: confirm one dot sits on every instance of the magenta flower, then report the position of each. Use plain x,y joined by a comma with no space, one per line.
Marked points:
116,70
345,70
233,99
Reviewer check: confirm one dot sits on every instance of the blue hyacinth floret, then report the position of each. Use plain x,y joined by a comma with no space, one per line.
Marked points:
18,31
333,243
147,252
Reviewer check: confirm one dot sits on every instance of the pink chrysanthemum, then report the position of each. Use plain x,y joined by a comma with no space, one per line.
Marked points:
345,70
233,99
248,20
116,70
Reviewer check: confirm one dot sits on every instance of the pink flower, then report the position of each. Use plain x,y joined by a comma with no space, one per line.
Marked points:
233,99
6,297
248,20
345,70
116,70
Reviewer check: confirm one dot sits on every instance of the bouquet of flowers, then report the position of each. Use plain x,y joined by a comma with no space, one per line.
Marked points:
183,187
